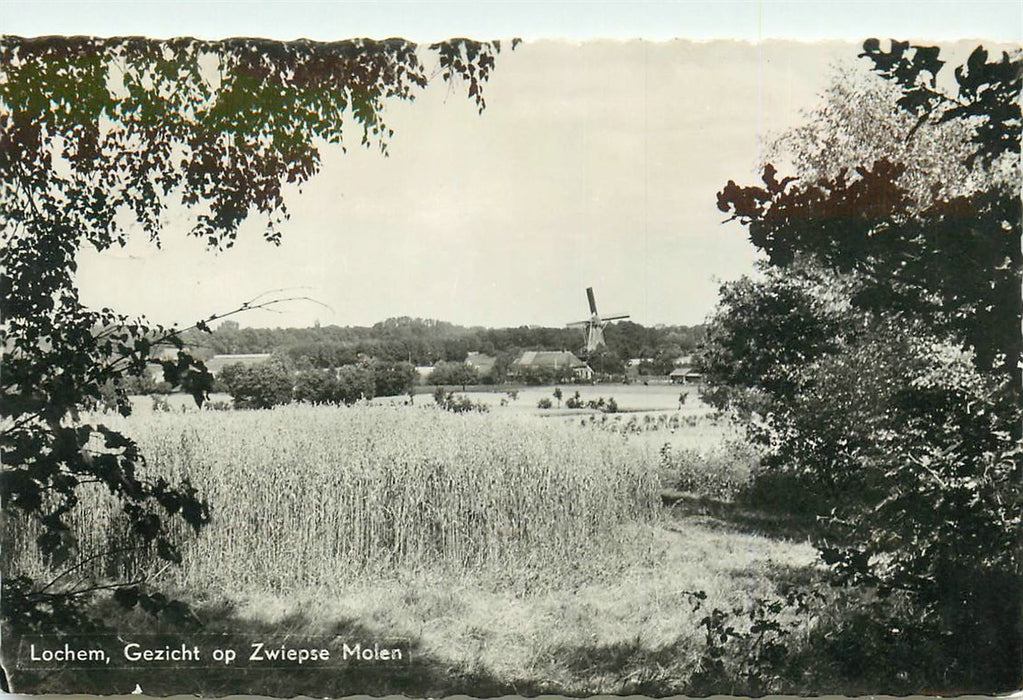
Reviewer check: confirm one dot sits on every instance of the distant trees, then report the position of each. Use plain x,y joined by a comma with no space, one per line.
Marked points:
426,342
272,383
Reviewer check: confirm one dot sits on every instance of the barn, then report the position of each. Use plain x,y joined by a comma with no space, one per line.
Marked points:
217,363
481,362
554,360
685,375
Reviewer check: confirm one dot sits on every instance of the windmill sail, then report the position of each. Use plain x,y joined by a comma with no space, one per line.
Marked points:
595,324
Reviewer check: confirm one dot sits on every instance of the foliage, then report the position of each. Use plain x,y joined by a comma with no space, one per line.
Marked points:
599,404
954,263
763,332
454,373
102,136
354,383
877,360
345,385
261,385
454,403
721,472
748,646
858,121
606,362
541,375
392,378
315,386
428,341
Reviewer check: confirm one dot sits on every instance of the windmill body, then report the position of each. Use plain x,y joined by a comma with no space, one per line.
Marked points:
594,325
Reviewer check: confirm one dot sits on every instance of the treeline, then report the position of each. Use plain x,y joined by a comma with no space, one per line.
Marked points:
427,342
272,383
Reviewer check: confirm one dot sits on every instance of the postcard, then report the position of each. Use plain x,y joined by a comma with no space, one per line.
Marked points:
510,367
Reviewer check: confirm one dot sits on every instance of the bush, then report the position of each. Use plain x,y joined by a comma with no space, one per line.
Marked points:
354,383
392,378
544,403
454,373
748,646
261,385
458,404
722,472
316,386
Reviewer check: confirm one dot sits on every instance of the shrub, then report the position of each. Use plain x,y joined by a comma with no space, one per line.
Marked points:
454,373
721,471
261,385
392,378
449,401
316,386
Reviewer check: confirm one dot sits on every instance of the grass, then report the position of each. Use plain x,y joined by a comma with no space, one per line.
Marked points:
324,496
632,633
517,554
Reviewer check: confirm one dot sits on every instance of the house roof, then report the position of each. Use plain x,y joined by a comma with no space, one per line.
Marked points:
219,362
483,363
549,358
683,372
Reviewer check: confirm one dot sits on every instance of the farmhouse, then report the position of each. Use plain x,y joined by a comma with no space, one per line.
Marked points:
218,362
684,375
552,360
154,368
483,364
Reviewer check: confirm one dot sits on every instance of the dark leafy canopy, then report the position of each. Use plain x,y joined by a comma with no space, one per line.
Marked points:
958,260
877,361
98,138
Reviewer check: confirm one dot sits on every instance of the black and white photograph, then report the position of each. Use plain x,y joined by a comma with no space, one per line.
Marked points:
500,359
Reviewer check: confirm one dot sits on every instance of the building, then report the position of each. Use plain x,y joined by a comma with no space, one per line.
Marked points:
685,375
483,364
163,352
553,360
217,363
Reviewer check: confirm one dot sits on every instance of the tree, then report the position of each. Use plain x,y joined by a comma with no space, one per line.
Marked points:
878,359
393,378
315,386
453,373
605,362
354,383
100,136
262,385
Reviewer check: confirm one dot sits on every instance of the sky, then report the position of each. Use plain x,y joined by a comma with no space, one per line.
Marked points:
596,163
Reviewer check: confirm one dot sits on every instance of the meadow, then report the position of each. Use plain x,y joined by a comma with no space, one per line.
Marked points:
520,551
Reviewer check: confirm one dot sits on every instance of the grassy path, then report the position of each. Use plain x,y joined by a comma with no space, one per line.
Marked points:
631,633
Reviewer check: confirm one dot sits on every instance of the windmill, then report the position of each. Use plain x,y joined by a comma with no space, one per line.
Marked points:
595,324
